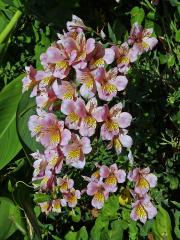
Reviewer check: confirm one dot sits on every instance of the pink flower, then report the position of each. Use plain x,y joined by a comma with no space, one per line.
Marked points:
45,207
113,120
112,176
143,209
80,116
39,165
71,197
57,204
54,159
47,181
31,80
124,56
76,24
99,193
141,39
65,91
46,98
48,130
57,60
121,140
144,180
75,151
65,184
100,56
86,78
109,83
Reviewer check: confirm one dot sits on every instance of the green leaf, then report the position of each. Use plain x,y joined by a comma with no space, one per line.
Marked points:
9,141
10,218
100,224
41,197
137,15
110,208
133,231
112,35
26,108
174,182
76,214
174,3
177,36
161,227
177,224
80,235
117,231
171,61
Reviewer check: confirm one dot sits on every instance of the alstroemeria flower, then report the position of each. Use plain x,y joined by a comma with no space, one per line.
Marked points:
64,184
80,116
46,98
141,39
109,83
143,209
47,181
100,56
112,176
57,204
56,59
121,140
124,56
71,197
76,24
113,119
39,165
144,180
99,193
48,130
65,91
54,159
31,80
86,78
78,49
45,207
75,151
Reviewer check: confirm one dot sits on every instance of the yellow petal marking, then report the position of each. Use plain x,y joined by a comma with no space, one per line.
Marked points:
140,211
62,64
111,180
111,126
74,154
143,183
109,88
90,121
99,197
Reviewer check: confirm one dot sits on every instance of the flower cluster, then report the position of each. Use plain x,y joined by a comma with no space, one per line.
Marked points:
143,209
102,182
80,77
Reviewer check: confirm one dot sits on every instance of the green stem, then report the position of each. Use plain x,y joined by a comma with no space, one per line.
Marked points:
8,29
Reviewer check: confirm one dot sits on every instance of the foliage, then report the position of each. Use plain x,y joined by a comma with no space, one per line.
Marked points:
153,99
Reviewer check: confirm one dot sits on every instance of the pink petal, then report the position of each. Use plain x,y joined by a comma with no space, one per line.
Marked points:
86,145
100,113
121,176
90,45
109,55
67,106
152,179
92,188
104,171
126,140
124,120
65,137
120,82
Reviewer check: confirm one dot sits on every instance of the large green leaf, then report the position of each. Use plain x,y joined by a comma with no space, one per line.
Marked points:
10,218
161,227
80,235
26,108
9,141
